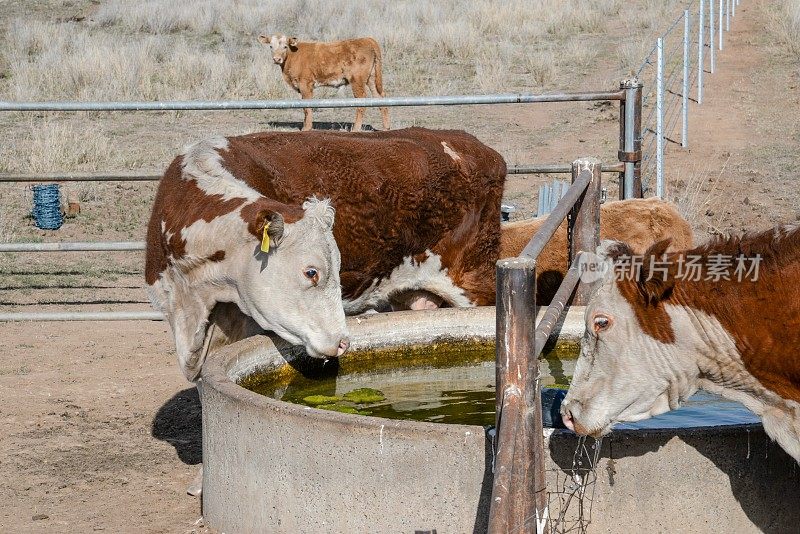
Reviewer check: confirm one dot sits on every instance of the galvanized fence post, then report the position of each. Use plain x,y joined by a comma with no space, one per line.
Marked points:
660,117
728,16
517,374
700,44
711,43
733,8
584,221
721,22
630,139
685,92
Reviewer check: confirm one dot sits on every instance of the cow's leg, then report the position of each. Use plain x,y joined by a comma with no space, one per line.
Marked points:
307,92
375,92
359,91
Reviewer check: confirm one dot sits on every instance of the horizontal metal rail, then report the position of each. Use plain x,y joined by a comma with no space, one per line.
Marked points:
546,168
211,105
78,246
539,241
558,168
80,177
83,316
553,313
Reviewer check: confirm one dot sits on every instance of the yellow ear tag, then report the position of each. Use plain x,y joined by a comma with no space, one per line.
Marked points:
265,239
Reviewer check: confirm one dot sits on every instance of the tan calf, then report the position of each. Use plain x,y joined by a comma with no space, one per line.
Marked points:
306,65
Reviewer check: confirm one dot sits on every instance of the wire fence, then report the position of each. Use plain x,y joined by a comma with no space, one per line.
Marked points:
673,75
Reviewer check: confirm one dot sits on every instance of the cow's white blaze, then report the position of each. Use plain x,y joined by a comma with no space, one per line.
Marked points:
276,292
428,275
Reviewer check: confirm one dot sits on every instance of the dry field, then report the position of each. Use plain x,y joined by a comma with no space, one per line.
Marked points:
98,431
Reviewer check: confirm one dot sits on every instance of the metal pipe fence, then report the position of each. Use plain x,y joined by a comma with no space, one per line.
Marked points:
675,68
152,176
227,105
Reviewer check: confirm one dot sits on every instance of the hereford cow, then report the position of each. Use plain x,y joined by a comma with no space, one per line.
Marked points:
722,317
306,65
417,224
637,222
214,239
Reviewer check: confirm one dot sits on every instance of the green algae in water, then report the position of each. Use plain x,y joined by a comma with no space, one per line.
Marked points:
316,400
364,396
342,408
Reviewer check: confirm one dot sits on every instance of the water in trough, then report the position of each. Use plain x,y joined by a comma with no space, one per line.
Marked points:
455,385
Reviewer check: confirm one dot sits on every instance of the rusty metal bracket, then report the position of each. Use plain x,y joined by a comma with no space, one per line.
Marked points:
629,157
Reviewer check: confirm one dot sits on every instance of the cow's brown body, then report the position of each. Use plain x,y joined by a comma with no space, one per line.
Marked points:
409,198
306,65
637,222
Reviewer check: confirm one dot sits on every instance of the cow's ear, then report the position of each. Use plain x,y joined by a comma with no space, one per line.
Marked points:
292,42
658,272
263,39
275,228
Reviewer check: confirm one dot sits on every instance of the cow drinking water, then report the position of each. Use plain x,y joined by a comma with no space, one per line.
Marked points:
722,317
214,239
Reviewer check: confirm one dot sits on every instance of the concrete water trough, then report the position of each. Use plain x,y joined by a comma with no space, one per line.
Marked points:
273,466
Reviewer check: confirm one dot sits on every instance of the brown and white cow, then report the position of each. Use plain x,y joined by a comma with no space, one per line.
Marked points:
637,222
652,340
417,224
206,245
306,65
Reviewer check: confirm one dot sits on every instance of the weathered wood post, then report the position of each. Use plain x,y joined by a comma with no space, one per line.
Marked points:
520,457
630,139
584,220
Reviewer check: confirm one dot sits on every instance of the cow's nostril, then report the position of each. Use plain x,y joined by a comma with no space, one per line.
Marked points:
344,344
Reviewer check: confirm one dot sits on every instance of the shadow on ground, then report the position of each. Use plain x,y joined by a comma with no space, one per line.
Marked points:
179,423
334,126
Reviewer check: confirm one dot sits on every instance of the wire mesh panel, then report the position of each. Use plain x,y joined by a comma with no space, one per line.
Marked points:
571,491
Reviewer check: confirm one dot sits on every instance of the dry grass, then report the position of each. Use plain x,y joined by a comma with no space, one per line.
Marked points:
160,49
783,22
700,198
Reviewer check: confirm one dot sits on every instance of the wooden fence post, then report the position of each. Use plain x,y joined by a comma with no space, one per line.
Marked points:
584,220
517,372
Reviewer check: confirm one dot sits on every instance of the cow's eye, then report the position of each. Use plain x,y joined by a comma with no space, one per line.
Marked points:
312,274
601,322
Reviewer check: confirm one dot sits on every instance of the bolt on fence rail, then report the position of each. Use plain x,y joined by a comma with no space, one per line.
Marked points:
671,71
519,494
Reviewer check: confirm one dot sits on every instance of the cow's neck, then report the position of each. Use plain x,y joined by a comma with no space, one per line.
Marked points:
760,317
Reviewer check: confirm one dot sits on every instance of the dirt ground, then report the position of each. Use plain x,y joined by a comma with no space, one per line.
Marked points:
100,432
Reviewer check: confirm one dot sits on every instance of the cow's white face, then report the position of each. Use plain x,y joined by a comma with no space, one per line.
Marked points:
279,45
294,289
623,374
